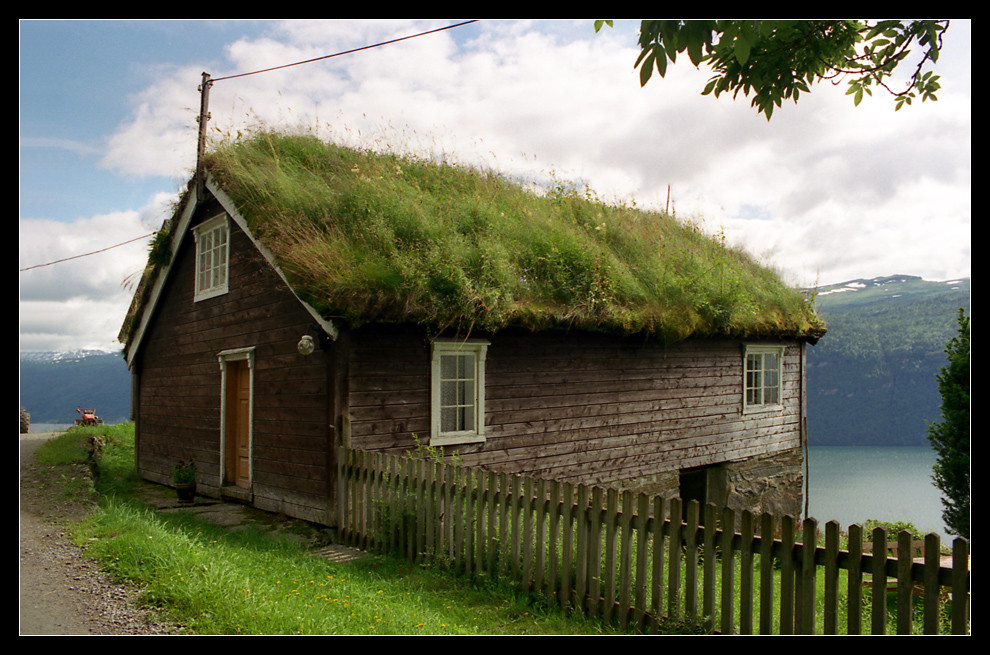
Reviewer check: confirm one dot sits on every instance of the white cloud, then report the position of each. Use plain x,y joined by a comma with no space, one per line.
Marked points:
81,302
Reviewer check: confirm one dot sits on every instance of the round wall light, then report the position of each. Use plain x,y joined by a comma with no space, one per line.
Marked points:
306,345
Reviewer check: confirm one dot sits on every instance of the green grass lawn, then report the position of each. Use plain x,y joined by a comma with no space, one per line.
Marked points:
215,581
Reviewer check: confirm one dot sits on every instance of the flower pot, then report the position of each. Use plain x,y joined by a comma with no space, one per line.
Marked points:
186,492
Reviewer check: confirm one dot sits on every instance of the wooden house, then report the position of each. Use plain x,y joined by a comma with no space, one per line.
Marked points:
546,334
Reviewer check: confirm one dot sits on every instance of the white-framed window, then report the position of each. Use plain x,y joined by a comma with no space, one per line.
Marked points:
212,250
458,392
763,367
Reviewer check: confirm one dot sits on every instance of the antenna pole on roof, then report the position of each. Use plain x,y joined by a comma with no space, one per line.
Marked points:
204,117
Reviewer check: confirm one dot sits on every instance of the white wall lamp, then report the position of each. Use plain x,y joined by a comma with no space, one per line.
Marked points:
306,345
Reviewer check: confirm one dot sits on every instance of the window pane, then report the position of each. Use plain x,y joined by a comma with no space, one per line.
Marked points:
467,418
466,392
448,419
448,393
448,367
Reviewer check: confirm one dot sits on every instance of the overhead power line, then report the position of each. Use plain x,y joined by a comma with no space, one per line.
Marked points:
87,254
346,52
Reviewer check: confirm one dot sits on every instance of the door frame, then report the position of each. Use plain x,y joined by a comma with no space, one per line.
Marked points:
224,357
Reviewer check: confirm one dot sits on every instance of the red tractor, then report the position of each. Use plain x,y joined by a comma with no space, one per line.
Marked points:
89,417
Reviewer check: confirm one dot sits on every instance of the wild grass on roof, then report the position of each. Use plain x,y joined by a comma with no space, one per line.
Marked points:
378,237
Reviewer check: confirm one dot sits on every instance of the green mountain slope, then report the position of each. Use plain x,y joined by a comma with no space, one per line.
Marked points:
871,379
53,384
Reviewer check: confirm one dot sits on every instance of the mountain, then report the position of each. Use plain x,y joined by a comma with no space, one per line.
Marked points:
54,384
871,378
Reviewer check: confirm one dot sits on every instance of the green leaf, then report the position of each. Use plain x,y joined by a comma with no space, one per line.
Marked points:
646,69
694,51
659,57
741,49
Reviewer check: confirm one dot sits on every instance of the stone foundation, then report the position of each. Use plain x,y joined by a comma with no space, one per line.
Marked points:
771,484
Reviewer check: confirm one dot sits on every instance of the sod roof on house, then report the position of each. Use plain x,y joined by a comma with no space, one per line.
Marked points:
367,237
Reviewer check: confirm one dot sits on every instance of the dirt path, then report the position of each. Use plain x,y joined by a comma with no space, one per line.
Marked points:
61,591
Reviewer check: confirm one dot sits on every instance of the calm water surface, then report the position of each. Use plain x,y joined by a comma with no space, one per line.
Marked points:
853,484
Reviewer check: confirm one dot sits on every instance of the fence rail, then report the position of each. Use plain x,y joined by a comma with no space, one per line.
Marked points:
641,561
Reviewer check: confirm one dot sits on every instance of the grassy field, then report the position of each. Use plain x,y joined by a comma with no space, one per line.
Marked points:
216,581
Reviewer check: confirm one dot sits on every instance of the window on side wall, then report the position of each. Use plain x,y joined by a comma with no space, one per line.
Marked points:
763,366
212,251
458,392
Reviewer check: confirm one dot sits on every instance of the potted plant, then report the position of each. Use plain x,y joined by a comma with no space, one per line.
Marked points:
184,477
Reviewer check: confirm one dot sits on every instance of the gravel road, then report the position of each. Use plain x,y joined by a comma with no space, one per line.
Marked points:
61,591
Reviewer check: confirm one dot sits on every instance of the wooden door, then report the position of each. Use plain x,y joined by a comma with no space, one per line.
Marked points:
237,424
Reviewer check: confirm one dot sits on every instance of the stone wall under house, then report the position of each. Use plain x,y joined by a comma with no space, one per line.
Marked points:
769,484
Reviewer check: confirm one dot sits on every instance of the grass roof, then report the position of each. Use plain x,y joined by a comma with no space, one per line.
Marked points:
368,237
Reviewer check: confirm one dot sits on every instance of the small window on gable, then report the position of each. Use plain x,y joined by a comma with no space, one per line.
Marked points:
762,383
458,392
212,250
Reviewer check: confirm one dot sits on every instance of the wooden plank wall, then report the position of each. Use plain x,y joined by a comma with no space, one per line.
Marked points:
579,407
179,411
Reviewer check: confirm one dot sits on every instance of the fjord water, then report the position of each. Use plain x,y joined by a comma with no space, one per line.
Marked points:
853,484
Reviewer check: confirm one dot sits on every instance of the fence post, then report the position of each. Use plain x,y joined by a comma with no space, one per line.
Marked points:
527,534
581,557
787,575
642,546
594,560
625,581
494,510
878,616
708,577
674,559
746,529
807,604
567,546
854,594
933,548
611,517
728,571
553,539
691,563
831,611
504,512
480,542
905,585
960,585
766,574
541,541
656,585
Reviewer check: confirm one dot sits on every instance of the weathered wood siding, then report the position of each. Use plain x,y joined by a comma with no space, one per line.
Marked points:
178,409
580,407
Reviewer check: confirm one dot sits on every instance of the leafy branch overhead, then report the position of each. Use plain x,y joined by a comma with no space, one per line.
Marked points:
777,60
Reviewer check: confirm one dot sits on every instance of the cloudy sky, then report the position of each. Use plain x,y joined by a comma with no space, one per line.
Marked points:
825,192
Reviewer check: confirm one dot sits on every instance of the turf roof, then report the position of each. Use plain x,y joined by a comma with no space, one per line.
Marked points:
369,237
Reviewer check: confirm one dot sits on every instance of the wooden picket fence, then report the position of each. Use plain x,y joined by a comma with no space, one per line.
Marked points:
638,562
